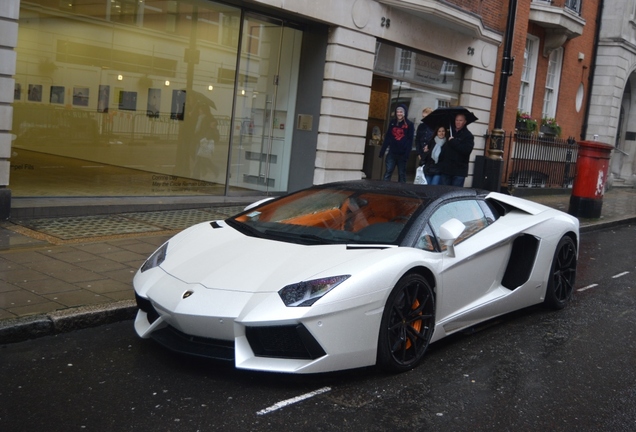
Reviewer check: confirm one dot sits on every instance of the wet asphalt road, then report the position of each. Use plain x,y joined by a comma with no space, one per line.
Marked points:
573,370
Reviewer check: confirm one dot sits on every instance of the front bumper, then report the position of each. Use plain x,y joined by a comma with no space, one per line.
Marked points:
322,344
283,341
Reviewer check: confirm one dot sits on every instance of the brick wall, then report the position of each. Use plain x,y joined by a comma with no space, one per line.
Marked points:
577,72
574,71
490,11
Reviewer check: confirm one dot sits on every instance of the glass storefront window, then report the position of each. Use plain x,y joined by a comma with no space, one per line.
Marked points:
122,97
419,80
116,97
414,79
264,111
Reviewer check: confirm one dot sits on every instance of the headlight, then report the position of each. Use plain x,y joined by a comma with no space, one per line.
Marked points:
309,292
156,258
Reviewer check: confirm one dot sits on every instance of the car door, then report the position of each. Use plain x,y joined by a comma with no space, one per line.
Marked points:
473,275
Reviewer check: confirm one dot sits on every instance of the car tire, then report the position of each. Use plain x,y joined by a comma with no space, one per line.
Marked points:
407,324
562,275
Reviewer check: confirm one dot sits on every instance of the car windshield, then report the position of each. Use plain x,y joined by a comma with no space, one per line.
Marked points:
327,216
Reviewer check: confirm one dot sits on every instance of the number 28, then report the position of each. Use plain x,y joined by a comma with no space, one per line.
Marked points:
386,22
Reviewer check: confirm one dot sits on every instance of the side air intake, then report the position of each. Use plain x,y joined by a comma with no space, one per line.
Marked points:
521,262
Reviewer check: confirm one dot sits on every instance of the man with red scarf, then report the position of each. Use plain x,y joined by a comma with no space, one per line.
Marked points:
399,141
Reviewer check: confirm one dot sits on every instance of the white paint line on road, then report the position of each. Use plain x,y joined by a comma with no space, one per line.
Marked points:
620,274
587,287
282,404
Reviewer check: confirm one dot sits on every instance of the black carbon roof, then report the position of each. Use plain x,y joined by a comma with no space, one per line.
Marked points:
424,192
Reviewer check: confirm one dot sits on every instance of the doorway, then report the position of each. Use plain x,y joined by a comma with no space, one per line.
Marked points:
266,89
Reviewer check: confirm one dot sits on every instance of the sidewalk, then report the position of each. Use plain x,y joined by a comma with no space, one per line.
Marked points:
63,273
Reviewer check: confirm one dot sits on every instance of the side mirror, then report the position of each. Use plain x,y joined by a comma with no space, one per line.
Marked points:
449,232
257,203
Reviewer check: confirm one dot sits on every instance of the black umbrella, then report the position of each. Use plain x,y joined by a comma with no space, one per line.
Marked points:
446,117
200,98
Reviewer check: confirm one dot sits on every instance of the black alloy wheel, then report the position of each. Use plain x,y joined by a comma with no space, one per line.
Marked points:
562,275
407,324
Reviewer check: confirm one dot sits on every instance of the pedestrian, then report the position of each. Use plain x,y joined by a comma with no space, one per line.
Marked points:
423,134
455,154
399,142
431,152
205,136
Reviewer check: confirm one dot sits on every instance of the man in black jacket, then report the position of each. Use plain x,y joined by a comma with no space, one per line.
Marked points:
453,161
423,133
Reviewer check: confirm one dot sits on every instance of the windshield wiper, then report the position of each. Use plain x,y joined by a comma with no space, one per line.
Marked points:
304,238
244,228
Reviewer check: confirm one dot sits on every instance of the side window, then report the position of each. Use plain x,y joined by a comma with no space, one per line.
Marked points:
426,240
468,212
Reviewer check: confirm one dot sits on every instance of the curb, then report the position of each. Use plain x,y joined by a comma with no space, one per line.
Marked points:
609,224
66,320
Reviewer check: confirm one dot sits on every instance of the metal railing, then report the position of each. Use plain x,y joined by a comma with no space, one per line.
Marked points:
540,161
135,127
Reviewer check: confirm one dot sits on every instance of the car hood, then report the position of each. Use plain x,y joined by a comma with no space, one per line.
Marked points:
223,258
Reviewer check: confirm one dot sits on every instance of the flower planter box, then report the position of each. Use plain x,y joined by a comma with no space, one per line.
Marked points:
547,130
522,127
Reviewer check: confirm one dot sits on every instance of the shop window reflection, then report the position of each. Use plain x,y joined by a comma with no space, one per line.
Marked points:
71,110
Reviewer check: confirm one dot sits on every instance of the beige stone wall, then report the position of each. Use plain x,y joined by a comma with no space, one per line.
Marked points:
345,106
9,11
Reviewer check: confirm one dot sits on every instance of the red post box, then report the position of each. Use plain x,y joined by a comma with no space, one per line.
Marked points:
592,165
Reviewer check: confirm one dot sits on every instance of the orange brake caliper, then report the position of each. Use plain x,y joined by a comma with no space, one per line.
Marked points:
417,325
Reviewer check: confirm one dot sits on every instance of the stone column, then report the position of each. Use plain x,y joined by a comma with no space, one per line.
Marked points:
9,12
344,109
476,96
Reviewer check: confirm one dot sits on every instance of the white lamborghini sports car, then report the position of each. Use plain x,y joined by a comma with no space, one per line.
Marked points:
353,274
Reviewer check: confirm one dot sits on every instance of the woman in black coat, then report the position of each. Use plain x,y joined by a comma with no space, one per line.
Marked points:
432,151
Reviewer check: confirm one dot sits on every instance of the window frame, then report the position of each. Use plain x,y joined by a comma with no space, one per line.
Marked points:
528,73
574,6
555,68
405,61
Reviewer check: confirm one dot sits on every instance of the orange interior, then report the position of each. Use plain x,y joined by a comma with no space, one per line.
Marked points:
353,214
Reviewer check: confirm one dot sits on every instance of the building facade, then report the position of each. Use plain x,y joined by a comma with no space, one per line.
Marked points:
196,97
548,91
612,117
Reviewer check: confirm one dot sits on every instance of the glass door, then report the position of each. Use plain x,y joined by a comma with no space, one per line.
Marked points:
264,109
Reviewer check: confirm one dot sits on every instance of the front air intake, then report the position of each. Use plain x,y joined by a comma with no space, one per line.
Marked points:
293,341
145,305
